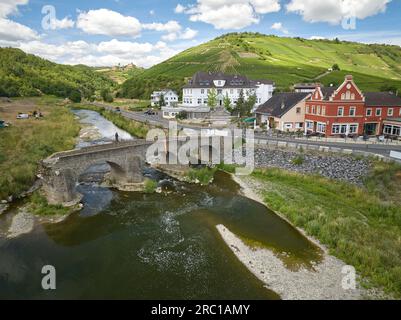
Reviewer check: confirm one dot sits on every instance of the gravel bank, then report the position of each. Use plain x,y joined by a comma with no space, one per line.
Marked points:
22,223
324,283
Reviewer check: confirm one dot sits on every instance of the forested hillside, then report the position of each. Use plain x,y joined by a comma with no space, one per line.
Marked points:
284,60
23,74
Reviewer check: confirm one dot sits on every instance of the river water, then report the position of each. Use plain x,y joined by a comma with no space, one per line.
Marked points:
148,246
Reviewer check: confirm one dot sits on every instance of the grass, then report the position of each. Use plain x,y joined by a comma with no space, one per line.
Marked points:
285,60
298,160
361,226
24,144
150,186
134,128
38,205
204,176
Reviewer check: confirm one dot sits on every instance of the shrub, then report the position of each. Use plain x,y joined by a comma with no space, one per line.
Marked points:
150,186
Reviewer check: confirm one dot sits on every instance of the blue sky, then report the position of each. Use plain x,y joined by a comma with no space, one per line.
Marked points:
146,32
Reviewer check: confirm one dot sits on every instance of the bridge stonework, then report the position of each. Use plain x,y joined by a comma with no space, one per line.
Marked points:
61,171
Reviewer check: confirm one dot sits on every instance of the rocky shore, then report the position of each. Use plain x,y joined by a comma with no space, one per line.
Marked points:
324,282
339,167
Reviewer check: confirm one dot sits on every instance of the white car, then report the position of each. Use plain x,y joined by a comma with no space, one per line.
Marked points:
23,116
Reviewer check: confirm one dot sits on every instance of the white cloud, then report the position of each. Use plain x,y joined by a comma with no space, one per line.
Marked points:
333,11
188,34
13,31
279,27
179,8
65,23
171,26
229,14
106,53
8,7
152,12
107,22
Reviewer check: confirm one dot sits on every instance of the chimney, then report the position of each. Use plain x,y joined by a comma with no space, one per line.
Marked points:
349,77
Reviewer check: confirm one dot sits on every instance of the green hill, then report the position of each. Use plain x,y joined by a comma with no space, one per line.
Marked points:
24,74
284,60
120,74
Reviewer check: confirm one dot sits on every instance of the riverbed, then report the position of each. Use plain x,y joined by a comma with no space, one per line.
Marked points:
149,246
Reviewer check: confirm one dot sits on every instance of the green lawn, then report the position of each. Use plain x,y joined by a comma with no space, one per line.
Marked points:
27,142
361,226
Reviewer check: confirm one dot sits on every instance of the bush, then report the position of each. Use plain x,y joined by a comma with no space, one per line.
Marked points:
150,186
75,96
203,176
298,161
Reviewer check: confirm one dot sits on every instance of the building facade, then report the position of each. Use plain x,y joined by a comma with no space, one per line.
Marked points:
284,112
347,111
196,92
170,98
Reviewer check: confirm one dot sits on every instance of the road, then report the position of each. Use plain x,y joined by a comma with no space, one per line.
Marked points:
157,120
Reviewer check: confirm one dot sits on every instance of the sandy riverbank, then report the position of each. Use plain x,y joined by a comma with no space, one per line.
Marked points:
322,283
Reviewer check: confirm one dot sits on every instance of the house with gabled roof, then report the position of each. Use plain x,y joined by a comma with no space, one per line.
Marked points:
284,111
347,111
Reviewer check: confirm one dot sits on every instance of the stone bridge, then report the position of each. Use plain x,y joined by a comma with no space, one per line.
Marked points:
60,172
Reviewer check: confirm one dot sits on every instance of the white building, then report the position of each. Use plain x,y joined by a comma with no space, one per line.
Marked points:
170,98
196,92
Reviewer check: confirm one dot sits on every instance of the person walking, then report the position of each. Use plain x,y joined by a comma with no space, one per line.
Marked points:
116,135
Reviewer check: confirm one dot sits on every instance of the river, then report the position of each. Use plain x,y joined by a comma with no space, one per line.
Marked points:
148,246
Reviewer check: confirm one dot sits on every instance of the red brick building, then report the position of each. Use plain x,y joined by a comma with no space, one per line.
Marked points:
346,110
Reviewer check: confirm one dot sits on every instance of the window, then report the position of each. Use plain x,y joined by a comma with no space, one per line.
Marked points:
231,91
199,101
318,109
321,127
353,128
299,125
353,96
309,125
348,95
378,112
313,109
298,110
390,112
307,109
202,91
324,110
339,129
352,111
219,91
288,125
368,112
340,111
343,96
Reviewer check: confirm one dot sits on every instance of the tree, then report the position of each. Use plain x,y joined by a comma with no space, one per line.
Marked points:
106,96
162,102
212,98
240,103
249,104
75,96
336,67
227,103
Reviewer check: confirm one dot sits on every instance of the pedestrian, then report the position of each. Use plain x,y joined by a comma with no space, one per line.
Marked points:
116,136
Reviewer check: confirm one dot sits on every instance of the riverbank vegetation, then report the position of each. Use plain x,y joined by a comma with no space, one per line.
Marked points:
26,142
361,226
134,128
38,205
203,176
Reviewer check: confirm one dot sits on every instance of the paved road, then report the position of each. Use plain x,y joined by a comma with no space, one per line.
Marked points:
157,120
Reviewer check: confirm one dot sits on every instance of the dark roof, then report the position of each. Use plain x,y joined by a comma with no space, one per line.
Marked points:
382,99
205,80
281,103
327,92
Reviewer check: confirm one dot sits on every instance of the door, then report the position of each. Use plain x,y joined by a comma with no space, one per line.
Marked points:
370,129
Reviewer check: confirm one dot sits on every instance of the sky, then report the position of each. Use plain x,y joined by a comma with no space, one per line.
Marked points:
147,32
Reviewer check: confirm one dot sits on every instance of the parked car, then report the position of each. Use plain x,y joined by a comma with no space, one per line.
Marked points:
118,110
23,116
150,112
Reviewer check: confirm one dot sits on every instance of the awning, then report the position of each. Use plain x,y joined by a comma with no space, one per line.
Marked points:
250,120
